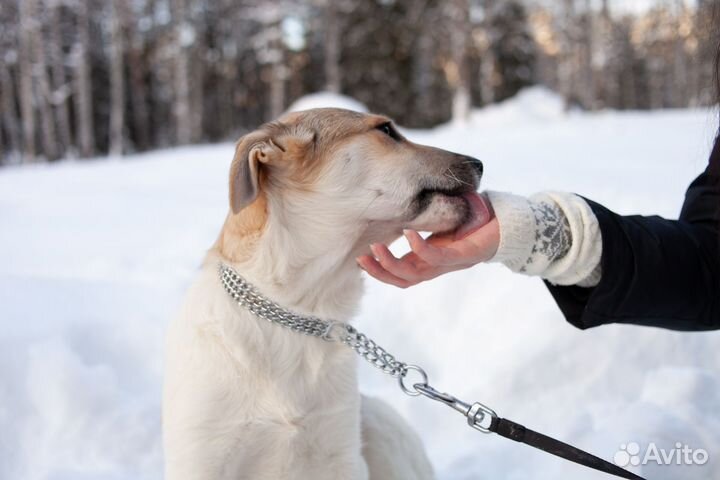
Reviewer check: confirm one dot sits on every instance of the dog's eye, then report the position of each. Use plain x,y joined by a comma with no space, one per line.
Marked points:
388,129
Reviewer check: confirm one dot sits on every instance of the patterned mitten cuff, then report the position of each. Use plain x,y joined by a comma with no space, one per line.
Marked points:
552,235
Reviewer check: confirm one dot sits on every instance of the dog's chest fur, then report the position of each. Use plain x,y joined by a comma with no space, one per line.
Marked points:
263,394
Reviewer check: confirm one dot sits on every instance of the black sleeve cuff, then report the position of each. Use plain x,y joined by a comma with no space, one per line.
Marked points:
655,272
579,305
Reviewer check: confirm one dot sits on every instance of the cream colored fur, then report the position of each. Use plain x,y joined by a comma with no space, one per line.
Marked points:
244,399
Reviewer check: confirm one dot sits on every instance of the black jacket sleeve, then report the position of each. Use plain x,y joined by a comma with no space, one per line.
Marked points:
656,272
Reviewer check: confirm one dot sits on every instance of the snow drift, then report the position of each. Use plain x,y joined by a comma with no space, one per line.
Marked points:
326,100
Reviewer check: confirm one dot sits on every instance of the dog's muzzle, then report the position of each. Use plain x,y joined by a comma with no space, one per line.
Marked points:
461,177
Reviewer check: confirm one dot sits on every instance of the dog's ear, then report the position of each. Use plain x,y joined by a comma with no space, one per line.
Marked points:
268,145
251,151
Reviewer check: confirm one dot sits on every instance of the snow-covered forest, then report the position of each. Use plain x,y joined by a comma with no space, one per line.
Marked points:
82,78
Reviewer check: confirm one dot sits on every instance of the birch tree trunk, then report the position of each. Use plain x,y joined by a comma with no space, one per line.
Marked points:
83,83
117,80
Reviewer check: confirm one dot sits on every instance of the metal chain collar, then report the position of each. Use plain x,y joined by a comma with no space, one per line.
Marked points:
246,295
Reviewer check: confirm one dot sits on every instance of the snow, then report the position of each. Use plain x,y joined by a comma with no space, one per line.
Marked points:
530,105
326,100
96,256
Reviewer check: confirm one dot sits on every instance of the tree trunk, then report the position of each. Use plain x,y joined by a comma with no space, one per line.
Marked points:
83,83
183,39
61,88
117,80
197,91
27,110
3,148
589,80
277,90
655,84
487,66
138,87
332,45
48,135
680,62
9,113
423,75
277,71
609,82
567,60
459,38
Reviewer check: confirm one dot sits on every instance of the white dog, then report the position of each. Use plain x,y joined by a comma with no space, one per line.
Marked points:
246,399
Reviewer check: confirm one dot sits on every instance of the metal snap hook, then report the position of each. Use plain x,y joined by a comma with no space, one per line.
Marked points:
477,414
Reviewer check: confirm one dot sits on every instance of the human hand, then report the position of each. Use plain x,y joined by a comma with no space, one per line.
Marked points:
432,257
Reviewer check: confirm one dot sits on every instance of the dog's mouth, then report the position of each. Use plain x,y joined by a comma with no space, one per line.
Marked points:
425,196
471,210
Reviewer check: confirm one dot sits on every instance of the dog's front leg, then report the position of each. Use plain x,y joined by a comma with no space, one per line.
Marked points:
392,450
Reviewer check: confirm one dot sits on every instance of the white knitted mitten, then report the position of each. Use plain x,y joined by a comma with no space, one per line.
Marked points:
551,234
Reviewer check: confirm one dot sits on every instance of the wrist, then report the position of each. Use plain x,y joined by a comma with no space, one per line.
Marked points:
516,229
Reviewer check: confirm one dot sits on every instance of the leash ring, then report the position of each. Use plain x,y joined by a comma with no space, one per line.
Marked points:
413,392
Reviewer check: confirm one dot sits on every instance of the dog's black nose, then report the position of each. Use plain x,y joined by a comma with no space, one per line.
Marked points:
475,164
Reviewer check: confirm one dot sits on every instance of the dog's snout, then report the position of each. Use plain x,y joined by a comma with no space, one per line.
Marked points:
475,164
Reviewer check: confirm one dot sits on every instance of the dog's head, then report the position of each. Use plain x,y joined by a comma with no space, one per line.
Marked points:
350,172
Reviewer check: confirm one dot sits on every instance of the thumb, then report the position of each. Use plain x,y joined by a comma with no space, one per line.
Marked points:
481,212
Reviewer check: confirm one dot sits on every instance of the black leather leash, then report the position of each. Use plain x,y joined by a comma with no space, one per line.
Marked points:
484,419
519,433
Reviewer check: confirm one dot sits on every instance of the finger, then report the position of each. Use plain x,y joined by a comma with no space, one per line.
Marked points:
404,268
478,246
375,270
436,256
441,239
427,271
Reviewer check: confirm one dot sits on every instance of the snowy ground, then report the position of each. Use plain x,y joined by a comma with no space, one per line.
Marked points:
95,257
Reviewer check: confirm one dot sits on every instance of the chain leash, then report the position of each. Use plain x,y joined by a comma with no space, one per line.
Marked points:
478,416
